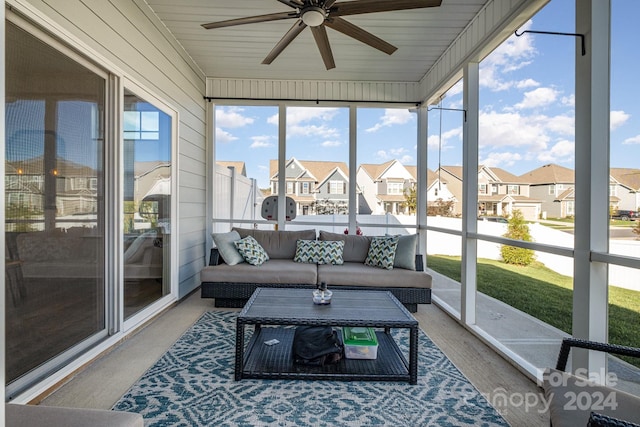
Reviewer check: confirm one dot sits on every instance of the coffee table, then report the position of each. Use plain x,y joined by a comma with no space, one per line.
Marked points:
274,311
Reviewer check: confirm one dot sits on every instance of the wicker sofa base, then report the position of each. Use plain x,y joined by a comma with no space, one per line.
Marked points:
236,295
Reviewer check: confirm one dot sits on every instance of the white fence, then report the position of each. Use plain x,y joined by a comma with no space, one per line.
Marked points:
238,197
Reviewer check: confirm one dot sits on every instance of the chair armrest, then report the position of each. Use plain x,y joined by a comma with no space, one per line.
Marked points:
567,343
419,263
601,420
215,258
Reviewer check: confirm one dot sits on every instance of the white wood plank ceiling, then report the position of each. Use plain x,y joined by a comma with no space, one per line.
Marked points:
421,36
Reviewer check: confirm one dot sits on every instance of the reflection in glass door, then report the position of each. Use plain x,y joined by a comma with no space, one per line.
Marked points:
54,206
147,203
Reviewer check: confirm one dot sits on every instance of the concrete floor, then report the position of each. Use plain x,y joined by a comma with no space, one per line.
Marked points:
102,383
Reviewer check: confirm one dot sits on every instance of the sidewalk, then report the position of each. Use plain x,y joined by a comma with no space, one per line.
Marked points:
527,337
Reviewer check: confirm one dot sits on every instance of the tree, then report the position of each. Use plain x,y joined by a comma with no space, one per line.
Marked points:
411,199
517,229
440,207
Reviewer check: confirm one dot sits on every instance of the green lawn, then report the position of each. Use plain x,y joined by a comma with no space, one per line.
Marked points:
547,295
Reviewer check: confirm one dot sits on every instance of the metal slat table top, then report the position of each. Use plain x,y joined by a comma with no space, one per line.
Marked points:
295,306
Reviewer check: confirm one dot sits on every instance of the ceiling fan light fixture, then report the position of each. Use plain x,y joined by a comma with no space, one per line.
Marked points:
313,16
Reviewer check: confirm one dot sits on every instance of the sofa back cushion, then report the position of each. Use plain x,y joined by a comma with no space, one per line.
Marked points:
356,247
278,244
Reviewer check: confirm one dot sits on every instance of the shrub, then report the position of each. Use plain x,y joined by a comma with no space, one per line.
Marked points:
517,229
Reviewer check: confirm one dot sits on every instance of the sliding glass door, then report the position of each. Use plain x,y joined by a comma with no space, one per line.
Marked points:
54,201
147,202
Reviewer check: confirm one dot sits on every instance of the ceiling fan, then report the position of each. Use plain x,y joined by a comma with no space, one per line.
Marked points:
320,13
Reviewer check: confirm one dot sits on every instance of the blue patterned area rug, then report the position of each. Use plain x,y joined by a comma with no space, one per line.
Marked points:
192,384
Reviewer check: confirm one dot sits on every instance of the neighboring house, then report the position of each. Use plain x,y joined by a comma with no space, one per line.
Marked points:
317,187
553,185
499,192
624,188
437,189
382,188
75,186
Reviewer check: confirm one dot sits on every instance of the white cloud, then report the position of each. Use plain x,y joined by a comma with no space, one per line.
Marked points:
617,119
527,83
513,130
299,121
515,53
407,160
231,117
382,155
452,134
261,141
632,140
223,136
562,152
393,117
504,159
332,143
539,97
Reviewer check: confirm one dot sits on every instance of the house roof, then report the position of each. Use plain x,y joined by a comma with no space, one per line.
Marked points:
375,171
319,169
627,177
549,174
239,166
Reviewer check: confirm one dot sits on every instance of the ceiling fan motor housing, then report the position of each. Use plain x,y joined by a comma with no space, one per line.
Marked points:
313,16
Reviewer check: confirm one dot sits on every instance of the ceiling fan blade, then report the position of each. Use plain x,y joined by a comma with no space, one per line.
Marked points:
351,30
251,20
284,42
327,4
320,34
358,7
292,3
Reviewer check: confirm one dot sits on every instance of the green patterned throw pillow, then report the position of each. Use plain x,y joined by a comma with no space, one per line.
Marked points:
307,251
319,252
331,252
251,251
382,252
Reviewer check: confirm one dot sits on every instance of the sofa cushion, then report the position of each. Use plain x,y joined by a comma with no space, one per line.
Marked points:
228,251
571,400
251,251
382,252
272,271
278,244
406,252
356,247
359,274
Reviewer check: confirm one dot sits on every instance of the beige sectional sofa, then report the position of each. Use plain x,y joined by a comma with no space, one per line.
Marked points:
232,283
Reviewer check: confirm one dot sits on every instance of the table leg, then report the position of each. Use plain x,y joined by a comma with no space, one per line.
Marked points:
413,355
239,350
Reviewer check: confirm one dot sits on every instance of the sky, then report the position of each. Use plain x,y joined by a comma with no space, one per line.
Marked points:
527,101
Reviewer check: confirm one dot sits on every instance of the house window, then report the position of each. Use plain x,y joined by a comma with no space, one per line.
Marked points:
494,189
336,187
612,190
305,188
395,188
552,190
513,189
482,188
289,187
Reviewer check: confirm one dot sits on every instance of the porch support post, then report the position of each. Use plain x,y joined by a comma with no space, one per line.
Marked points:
282,166
422,183
592,106
353,162
471,105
